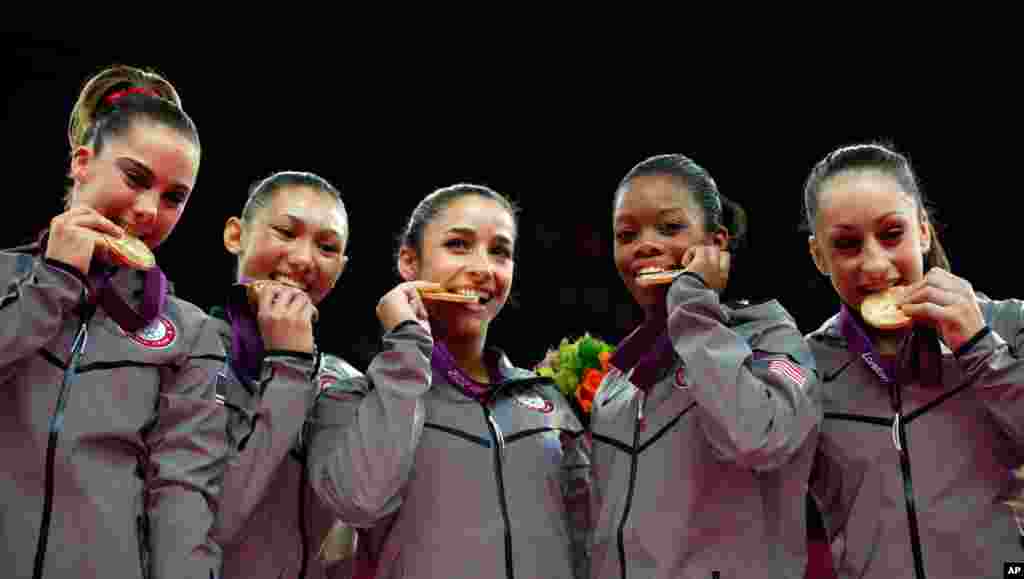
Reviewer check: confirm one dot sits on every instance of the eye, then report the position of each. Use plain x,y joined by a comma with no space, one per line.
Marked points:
175,197
457,243
892,234
502,250
671,228
284,232
845,243
134,179
329,248
625,236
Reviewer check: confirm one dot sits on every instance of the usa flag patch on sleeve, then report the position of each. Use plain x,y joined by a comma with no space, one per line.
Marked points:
782,366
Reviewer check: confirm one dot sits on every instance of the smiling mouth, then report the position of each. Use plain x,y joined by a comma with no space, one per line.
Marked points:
650,276
482,298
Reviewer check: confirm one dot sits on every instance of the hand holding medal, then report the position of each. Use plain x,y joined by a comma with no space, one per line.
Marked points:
946,302
708,261
284,313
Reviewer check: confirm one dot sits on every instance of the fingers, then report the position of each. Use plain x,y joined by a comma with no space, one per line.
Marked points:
309,313
928,311
940,287
932,294
688,257
424,285
947,302
412,291
279,301
711,263
89,218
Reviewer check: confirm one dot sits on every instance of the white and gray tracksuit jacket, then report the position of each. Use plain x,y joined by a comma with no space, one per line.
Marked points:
915,452
271,524
704,432
113,455
449,485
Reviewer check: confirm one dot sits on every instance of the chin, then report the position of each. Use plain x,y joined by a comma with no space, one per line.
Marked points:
648,297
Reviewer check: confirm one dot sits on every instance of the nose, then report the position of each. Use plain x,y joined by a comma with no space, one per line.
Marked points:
647,246
480,265
875,261
145,207
300,254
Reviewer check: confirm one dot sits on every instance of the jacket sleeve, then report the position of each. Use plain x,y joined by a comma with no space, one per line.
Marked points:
755,382
991,362
187,448
36,297
364,431
262,428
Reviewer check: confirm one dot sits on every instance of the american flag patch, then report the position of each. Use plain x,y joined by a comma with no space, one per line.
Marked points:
783,366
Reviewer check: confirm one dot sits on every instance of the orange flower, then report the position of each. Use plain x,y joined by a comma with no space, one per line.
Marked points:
588,387
586,404
604,357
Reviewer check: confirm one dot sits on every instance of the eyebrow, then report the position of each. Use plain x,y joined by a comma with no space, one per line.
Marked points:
140,166
880,219
661,213
329,228
472,233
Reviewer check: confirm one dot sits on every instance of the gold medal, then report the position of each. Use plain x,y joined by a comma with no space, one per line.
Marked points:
130,252
880,310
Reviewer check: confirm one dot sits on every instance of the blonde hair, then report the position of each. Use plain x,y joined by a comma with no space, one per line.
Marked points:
91,99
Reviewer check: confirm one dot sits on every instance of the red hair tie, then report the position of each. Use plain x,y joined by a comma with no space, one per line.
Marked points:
113,97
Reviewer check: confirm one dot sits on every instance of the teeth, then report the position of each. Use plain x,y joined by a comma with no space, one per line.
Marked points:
651,269
483,296
291,282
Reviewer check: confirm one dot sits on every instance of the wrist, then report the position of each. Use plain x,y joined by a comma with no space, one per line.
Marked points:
292,345
77,260
969,344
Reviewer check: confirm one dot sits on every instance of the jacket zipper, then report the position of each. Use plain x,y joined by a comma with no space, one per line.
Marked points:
56,426
899,434
142,534
634,458
499,459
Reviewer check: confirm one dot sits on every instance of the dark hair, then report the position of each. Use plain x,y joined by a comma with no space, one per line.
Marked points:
433,204
114,99
719,211
873,157
262,192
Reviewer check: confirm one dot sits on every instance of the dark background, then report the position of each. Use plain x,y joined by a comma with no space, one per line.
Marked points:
555,130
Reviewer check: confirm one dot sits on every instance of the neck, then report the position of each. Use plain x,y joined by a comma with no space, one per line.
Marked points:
888,343
468,353
657,311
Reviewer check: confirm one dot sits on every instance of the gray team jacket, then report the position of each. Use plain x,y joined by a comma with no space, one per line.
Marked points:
270,523
910,476
450,486
131,426
704,432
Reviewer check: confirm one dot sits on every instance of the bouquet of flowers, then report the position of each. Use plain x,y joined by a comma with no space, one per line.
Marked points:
577,368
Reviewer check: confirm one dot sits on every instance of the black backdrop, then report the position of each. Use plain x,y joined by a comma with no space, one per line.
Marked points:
555,132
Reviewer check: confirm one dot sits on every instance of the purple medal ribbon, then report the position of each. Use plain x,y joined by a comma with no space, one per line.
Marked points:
443,362
858,342
247,348
154,299
920,356
648,351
